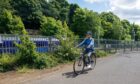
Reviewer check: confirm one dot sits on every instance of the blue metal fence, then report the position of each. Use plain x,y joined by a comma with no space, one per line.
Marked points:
7,43
47,44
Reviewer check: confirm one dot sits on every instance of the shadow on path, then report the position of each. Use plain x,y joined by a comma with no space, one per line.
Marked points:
69,75
73,75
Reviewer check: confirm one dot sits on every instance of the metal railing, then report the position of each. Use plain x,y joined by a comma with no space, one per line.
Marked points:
48,44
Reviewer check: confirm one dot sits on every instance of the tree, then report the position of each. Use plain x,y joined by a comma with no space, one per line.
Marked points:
85,20
29,11
72,10
117,31
11,24
50,26
50,9
126,30
64,9
57,9
135,32
112,26
138,34
4,4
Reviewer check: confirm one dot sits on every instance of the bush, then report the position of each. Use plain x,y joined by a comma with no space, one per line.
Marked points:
26,51
45,61
66,51
7,62
28,55
100,53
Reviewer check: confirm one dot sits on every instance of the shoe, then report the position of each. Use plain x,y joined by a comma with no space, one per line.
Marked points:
89,66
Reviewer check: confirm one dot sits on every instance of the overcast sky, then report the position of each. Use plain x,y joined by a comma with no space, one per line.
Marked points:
125,9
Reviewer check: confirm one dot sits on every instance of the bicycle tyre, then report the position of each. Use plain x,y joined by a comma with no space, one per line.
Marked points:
93,58
76,63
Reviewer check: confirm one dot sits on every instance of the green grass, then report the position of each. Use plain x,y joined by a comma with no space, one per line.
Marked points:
7,62
23,69
101,53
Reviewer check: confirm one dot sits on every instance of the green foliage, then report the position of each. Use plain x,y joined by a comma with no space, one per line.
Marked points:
4,4
50,26
29,10
7,62
45,61
33,13
66,51
23,69
26,51
57,9
11,24
126,30
111,25
117,30
72,10
85,20
100,53
135,32
138,34
28,55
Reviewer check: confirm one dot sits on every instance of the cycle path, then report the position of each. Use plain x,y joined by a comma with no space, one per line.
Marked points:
117,69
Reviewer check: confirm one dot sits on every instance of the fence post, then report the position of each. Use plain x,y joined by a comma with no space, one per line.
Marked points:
131,45
50,42
115,46
105,46
137,46
124,47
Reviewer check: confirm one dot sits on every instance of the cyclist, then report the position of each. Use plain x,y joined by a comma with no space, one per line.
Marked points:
88,44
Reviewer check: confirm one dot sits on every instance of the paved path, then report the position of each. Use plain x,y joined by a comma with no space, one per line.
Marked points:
118,69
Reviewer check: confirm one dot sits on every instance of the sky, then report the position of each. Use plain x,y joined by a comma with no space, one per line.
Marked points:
125,9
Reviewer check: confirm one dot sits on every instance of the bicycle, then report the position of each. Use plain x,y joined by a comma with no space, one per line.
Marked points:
83,61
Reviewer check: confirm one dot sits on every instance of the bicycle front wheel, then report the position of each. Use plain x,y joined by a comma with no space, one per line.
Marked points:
78,66
93,61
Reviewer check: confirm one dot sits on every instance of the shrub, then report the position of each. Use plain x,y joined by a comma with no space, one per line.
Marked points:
66,51
7,62
26,51
28,56
45,61
100,53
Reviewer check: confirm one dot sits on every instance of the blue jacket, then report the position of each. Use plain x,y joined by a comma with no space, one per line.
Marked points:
88,43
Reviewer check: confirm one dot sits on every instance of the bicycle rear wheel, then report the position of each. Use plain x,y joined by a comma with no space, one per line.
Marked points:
78,66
